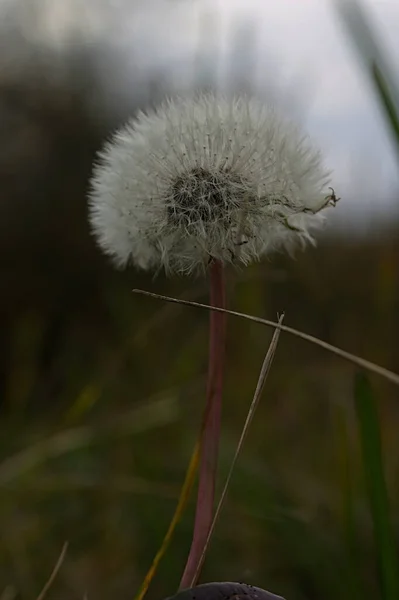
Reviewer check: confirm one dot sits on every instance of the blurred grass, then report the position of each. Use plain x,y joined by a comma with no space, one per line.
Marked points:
373,465
102,392
113,498
385,83
377,64
386,101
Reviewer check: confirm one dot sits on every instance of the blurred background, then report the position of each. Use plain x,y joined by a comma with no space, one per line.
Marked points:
101,391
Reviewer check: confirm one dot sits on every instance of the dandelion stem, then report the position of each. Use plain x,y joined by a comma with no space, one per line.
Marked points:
211,429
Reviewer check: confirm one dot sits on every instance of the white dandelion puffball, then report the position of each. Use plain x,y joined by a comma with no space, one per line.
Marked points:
205,178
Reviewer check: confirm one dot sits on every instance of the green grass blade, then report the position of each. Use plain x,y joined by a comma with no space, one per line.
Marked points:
370,439
386,101
370,51
355,583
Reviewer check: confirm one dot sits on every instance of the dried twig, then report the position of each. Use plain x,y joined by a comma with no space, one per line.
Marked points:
181,505
254,404
54,572
356,360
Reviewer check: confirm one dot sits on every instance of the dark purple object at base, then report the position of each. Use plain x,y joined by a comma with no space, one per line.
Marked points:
225,591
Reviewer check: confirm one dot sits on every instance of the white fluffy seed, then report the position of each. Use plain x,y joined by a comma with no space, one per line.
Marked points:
202,178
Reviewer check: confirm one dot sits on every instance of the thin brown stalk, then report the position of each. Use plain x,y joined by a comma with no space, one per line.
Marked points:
211,430
54,572
356,360
264,372
181,505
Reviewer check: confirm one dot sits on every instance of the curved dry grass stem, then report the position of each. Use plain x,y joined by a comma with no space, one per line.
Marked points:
264,372
181,505
356,360
54,572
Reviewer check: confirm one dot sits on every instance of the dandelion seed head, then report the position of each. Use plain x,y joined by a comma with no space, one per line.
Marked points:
206,178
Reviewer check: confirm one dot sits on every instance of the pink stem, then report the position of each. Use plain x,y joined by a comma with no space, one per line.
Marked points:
211,426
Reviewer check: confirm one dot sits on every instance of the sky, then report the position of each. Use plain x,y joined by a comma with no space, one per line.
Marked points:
305,62
340,108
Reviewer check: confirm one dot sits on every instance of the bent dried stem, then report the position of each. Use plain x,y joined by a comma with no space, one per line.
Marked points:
352,358
54,572
255,401
181,505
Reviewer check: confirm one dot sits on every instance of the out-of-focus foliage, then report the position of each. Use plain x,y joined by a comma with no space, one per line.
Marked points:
102,391
377,65
386,86
375,478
